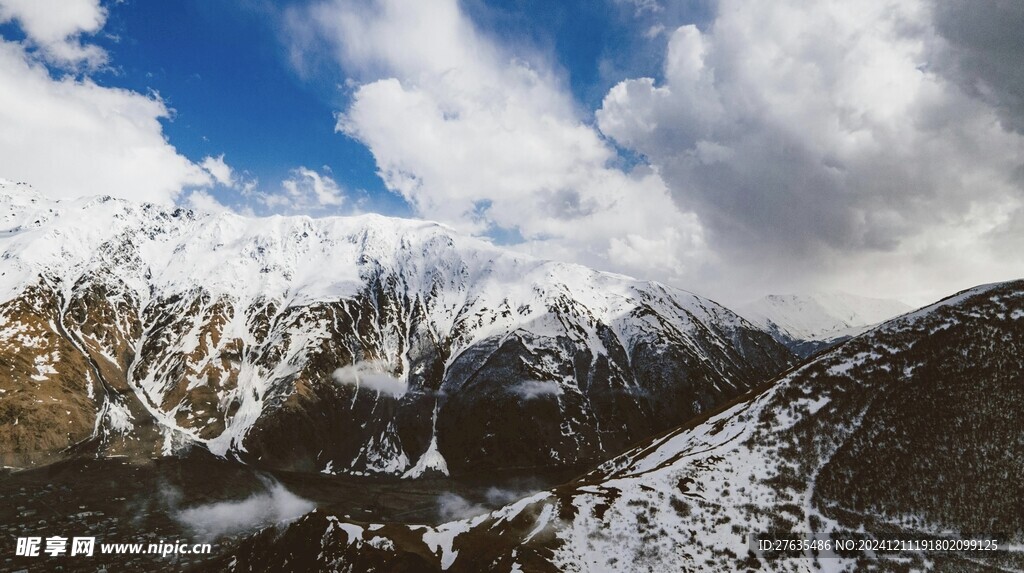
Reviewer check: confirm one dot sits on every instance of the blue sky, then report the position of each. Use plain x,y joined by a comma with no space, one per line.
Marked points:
729,147
224,69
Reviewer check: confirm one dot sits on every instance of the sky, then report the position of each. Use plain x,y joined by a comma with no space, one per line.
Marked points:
733,148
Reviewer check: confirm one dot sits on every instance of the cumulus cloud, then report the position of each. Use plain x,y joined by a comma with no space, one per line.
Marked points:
320,188
818,144
785,145
488,140
372,376
305,191
68,136
71,137
219,170
55,27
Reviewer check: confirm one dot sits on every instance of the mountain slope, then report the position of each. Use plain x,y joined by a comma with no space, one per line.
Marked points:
910,431
358,345
809,323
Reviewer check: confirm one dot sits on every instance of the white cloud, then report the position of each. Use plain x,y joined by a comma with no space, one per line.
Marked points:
372,376
478,137
452,506
531,389
305,191
817,147
219,170
790,146
200,200
322,187
642,6
70,137
55,27
654,31
275,505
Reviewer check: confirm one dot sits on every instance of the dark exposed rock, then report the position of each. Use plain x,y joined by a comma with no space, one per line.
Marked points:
499,359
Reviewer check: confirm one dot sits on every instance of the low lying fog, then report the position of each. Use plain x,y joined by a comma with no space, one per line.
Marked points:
273,505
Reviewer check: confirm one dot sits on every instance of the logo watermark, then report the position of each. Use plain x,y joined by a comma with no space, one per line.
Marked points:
59,546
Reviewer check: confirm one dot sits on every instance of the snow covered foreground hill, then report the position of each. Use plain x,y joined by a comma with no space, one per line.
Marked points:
340,345
809,323
909,431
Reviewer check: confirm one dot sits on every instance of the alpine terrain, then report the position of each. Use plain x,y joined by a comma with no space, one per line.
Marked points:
343,345
809,323
910,431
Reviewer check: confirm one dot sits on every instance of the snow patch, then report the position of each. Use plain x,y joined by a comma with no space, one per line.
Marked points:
430,461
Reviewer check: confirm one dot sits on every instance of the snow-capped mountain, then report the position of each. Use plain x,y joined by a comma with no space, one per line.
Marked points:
809,323
350,344
911,431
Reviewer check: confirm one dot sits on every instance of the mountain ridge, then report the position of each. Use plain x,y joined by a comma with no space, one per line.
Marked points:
808,323
845,446
234,334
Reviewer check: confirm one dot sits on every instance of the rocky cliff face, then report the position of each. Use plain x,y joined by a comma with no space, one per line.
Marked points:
911,431
360,345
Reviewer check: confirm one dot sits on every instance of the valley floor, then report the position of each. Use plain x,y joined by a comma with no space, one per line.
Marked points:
170,500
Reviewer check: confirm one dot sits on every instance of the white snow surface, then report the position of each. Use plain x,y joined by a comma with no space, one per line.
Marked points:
469,289
704,488
430,461
297,260
821,316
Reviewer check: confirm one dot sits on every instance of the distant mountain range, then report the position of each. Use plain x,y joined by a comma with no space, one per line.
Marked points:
812,322
357,345
373,346
910,431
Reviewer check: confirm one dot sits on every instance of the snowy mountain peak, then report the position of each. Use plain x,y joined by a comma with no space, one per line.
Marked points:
844,447
819,317
230,332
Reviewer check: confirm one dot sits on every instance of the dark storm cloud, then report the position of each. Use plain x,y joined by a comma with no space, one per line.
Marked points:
986,52
806,134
